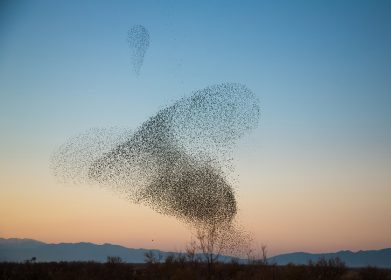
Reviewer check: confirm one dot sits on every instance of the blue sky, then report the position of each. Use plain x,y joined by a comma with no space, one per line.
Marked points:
320,68
313,62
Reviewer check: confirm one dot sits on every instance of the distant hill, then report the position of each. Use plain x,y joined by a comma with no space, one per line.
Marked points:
18,250
379,258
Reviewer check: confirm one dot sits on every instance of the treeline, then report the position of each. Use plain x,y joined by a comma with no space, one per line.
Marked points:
179,267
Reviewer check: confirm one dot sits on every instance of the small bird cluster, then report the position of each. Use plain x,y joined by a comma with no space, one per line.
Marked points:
138,38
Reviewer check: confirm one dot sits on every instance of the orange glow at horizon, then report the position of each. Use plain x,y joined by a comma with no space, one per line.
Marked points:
286,217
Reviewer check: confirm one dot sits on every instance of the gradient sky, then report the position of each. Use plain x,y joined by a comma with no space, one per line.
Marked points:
314,176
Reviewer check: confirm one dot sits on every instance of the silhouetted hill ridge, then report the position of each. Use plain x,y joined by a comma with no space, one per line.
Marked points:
379,258
23,249
18,250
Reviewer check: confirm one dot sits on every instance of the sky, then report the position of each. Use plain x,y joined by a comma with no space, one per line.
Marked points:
314,176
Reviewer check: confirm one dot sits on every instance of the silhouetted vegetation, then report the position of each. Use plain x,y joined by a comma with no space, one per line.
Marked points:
180,266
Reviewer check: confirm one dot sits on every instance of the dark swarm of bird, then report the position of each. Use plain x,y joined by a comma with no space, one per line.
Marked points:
178,162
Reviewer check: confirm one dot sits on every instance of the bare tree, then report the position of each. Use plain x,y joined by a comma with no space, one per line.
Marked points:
191,252
251,257
210,243
213,240
113,260
257,256
152,258
264,254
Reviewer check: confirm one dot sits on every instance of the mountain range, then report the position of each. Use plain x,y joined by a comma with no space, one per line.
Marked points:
19,250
